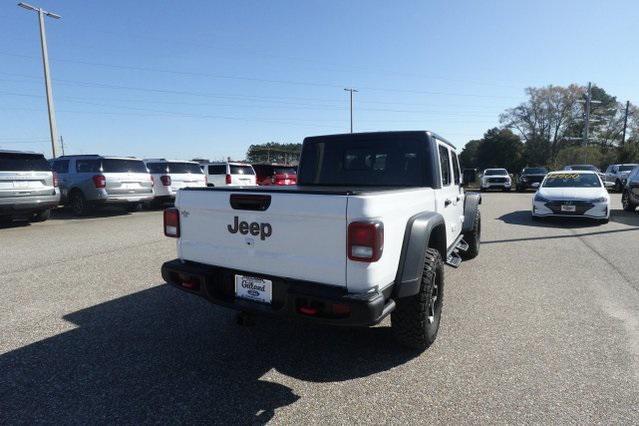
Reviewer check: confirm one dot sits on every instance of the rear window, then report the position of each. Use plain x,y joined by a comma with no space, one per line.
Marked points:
284,170
158,168
217,170
123,166
185,168
241,170
361,162
10,162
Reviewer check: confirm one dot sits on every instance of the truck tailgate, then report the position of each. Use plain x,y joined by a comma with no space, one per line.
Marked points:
300,236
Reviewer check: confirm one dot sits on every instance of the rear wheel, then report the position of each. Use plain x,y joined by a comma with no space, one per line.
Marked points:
473,238
415,320
41,216
618,187
78,203
507,189
626,203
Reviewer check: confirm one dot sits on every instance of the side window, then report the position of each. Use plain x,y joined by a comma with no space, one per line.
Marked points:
61,166
456,169
444,165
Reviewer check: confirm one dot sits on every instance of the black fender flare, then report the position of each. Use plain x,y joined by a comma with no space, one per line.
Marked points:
416,240
472,200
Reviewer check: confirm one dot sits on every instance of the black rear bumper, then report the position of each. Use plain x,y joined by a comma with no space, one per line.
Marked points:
290,298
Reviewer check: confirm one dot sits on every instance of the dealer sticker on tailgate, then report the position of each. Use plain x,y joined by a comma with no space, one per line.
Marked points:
253,288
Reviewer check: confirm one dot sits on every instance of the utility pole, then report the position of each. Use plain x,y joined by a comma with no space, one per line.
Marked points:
62,144
351,90
587,121
625,124
47,77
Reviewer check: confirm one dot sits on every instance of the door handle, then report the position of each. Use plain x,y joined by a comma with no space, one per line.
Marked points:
458,198
448,202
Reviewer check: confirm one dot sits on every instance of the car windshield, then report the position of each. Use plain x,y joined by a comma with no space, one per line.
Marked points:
571,180
10,162
496,172
627,168
535,171
123,166
241,170
584,167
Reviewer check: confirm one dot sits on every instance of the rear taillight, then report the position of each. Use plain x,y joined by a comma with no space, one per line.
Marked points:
365,241
172,222
228,179
55,179
166,180
99,181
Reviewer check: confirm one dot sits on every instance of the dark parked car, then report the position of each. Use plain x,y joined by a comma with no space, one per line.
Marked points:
272,174
531,177
630,195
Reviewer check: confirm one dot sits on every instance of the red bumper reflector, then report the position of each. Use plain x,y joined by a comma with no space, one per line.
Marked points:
307,310
341,309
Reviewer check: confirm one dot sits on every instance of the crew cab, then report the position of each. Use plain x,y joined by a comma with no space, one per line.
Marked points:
364,235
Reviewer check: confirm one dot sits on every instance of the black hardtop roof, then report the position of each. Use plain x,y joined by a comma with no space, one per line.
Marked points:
97,156
375,135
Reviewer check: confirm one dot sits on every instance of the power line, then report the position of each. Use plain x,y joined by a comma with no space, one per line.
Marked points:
263,80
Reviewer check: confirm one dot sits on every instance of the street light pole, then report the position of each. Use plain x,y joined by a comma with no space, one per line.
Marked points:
53,128
625,124
351,93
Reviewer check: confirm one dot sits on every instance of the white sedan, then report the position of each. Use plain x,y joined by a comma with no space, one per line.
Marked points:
572,193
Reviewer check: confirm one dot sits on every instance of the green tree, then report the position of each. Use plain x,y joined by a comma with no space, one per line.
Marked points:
468,156
500,148
274,152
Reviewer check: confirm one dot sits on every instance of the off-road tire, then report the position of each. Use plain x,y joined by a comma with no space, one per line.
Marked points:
78,204
41,216
473,238
410,319
626,203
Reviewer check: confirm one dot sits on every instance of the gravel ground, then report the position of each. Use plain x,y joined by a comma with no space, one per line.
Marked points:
542,327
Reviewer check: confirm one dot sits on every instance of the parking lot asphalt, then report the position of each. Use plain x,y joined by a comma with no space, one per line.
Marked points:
542,327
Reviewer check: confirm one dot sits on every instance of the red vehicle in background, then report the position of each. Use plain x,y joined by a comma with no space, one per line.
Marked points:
273,174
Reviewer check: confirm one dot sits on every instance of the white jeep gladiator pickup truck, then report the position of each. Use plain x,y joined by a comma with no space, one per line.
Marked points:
363,235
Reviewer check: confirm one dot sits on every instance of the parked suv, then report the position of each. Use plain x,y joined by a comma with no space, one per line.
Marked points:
616,175
168,176
88,181
230,174
27,186
272,174
495,178
531,177
630,196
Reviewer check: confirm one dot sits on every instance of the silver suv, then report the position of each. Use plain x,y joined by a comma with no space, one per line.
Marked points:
88,181
27,187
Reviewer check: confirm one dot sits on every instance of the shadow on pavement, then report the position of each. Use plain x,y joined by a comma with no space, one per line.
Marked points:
523,217
14,224
164,357
65,214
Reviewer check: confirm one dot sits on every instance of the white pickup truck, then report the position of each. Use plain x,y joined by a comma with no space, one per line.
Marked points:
363,235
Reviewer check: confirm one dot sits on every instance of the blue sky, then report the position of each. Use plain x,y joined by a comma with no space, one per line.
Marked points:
207,79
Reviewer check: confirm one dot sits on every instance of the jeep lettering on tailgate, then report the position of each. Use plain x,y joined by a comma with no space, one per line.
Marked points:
264,230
